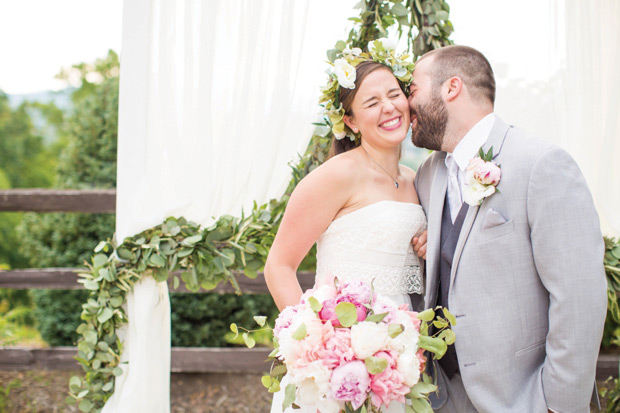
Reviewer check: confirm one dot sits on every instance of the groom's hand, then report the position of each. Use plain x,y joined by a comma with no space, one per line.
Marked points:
419,245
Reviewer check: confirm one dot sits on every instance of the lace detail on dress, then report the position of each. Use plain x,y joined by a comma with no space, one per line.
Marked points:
373,244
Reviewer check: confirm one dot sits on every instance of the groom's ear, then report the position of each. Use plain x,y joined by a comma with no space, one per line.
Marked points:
454,88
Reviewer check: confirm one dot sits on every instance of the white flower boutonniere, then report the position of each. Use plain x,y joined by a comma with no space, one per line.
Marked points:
481,178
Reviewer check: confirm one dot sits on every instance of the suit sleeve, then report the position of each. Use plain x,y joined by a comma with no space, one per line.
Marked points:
568,252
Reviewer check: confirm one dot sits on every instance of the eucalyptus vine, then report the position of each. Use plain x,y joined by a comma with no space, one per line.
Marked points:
206,257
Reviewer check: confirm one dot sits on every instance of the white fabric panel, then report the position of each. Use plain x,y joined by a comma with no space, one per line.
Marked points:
216,98
586,97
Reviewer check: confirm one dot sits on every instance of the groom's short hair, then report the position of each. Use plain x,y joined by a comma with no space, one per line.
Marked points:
467,63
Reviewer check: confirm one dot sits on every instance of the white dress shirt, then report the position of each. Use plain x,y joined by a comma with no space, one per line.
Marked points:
457,161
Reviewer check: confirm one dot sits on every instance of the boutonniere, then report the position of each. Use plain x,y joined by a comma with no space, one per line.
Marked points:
481,178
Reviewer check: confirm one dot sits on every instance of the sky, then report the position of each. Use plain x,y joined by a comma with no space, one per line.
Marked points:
42,36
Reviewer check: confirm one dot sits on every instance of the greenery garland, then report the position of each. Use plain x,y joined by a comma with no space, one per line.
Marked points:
209,256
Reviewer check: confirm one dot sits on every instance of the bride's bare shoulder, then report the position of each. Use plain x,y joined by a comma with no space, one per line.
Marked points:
339,169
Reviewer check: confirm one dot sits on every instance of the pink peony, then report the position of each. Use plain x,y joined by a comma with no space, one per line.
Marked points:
421,359
389,384
350,382
487,173
328,313
337,349
356,292
285,319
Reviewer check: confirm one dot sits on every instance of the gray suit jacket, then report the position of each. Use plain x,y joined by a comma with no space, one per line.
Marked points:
527,286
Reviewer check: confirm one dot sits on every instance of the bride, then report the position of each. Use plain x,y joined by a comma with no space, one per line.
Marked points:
360,206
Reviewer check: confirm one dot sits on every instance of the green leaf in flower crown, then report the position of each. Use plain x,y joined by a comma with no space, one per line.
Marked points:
300,333
289,396
340,45
260,320
395,329
433,344
375,365
315,304
346,313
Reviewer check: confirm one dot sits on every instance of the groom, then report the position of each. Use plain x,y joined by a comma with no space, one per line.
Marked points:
522,271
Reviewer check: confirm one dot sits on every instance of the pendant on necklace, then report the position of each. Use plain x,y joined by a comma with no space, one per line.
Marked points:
396,184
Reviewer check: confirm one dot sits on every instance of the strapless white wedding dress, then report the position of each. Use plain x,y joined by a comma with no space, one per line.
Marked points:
372,244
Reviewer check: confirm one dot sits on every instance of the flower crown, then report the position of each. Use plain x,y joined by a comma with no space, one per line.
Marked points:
342,74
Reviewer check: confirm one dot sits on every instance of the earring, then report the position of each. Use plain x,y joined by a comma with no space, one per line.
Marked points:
355,130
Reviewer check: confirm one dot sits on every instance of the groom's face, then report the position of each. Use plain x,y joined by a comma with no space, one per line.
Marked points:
429,116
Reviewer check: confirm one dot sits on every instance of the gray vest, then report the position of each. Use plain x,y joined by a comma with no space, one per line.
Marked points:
449,237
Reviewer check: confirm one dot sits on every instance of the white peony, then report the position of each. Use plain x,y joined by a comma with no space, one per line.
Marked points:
406,340
291,349
312,383
345,73
409,365
367,338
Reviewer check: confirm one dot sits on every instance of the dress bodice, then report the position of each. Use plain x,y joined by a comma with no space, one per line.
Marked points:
373,244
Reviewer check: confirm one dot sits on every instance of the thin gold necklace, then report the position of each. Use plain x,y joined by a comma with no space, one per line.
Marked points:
384,170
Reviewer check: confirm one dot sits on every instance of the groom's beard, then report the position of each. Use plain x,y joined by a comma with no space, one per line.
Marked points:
432,118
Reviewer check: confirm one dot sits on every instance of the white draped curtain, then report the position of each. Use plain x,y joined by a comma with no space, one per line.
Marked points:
556,64
587,96
216,98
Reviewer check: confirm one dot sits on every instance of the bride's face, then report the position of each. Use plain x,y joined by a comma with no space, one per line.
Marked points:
380,110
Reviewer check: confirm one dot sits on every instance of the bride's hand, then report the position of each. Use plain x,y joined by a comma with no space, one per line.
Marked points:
419,244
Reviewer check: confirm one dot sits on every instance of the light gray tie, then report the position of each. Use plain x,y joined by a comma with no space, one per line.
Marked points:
455,201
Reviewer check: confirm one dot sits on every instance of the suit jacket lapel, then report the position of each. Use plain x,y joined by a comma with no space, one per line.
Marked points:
496,140
438,196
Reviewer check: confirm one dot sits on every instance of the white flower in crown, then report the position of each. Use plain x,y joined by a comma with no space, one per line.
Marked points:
356,51
386,43
481,178
345,73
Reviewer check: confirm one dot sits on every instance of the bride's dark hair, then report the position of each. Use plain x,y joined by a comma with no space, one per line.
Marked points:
346,97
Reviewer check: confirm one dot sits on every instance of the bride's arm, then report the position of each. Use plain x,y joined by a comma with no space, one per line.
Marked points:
313,205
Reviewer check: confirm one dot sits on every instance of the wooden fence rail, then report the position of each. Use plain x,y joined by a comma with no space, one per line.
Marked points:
186,360
96,201
66,279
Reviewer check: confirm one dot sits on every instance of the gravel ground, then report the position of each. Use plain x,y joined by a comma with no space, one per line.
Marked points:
45,391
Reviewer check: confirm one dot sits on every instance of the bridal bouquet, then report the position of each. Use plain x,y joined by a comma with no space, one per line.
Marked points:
343,349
